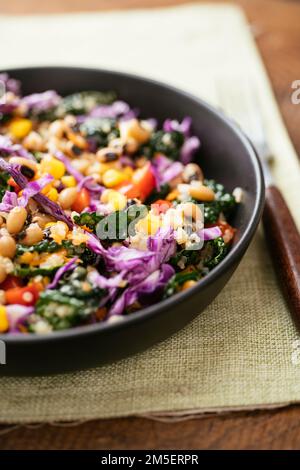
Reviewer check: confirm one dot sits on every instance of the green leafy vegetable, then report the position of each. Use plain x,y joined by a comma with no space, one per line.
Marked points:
215,251
87,256
72,303
100,130
83,102
26,271
168,143
45,246
187,257
224,202
89,219
178,280
156,195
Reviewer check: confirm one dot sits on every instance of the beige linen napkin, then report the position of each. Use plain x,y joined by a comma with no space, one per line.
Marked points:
243,351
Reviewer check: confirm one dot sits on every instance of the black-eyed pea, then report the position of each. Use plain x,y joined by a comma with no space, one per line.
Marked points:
107,155
81,164
42,219
7,246
57,128
201,193
33,234
192,211
192,172
134,129
131,145
25,163
34,142
16,219
117,145
67,197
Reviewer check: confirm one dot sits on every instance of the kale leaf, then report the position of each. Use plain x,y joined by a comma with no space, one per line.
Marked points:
168,143
99,131
224,202
89,219
178,280
189,257
26,271
72,302
155,195
45,246
216,251
85,101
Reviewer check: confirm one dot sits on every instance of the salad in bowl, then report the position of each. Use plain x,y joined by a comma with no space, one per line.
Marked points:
102,210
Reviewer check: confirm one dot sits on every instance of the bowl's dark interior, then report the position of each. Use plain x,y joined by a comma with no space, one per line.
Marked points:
225,155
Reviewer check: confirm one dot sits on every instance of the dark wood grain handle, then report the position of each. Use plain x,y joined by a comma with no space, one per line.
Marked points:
284,242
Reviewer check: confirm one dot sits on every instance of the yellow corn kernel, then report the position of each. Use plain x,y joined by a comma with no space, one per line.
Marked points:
148,225
49,224
47,188
55,167
4,325
112,178
117,200
52,194
20,127
172,195
128,171
26,258
59,231
68,181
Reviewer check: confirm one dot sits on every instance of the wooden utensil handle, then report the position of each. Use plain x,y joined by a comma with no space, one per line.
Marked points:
284,242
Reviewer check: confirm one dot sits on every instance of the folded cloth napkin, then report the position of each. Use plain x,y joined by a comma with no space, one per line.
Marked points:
243,351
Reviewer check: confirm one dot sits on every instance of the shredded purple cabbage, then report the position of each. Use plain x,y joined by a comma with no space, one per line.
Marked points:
10,199
114,110
40,102
70,265
49,206
210,233
10,149
89,183
10,84
147,291
174,170
69,167
172,125
16,315
189,148
97,280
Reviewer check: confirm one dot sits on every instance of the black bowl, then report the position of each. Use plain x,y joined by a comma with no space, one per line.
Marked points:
225,155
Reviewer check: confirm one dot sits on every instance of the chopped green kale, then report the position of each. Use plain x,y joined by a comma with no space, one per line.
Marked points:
89,219
85,101
99,131
168,143
45,246
178,280
188,257
216,251
224,202
71,303
155,195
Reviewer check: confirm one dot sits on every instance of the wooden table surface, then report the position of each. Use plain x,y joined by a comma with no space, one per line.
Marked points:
277,29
